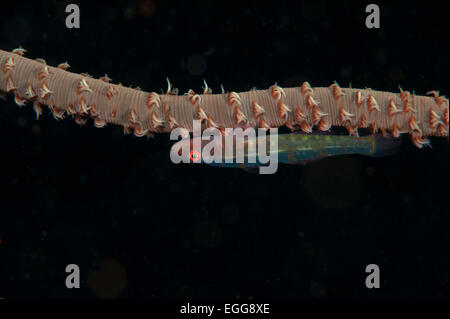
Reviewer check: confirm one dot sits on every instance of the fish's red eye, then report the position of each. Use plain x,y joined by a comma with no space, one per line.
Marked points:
194,156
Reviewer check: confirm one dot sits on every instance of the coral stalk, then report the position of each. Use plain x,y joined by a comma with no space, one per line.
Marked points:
299,108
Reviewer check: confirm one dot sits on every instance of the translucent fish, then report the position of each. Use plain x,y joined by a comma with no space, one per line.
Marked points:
290,148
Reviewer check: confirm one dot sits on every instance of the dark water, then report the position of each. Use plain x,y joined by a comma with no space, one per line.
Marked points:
139,226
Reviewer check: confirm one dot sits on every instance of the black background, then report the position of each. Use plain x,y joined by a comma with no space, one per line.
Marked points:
141,227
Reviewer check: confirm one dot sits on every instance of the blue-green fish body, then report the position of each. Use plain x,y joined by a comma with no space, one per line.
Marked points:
298,149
